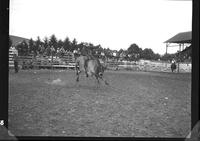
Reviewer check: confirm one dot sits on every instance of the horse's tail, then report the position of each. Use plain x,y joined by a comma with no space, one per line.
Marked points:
104,65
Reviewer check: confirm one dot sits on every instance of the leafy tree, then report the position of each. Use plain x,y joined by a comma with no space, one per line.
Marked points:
60,44
134,49
60,49
48,51
53,52
19,48
53,42
46,42
25,48
37,46
67,44
41,49
134,52
156,56
31,45
148,54
73,45
22,48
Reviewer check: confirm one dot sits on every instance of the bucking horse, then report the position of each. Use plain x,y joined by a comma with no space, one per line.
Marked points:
91,67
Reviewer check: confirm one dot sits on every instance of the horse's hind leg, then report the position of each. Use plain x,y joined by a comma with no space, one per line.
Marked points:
77,75
106,83
97,80
86,73
85,69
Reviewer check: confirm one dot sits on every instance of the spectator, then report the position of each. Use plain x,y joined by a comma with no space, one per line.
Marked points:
23,65
76,53
16,63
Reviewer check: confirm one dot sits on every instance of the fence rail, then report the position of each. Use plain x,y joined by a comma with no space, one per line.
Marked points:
156,66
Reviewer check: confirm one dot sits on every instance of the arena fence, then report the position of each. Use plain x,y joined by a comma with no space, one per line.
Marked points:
68,61
38,62
156,66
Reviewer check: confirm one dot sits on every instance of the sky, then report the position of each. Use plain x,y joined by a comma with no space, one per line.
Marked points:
114,24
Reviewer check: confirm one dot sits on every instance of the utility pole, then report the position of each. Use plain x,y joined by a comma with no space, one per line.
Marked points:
166,47
52,50
179,57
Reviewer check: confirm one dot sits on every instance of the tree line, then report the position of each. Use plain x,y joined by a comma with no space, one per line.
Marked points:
52,46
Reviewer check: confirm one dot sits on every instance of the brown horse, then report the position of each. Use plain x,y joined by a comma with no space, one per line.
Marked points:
91,66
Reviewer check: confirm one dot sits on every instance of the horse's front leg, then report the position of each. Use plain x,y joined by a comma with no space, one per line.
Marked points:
97,82
77,74
86,71
77,77
97,79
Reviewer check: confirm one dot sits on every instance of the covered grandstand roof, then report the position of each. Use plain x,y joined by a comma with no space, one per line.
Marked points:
183,37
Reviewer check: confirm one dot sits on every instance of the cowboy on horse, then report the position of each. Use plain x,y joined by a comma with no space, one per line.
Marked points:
89,64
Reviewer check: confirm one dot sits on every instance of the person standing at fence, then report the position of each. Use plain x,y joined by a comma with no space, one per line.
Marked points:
16,63
173,65
173,61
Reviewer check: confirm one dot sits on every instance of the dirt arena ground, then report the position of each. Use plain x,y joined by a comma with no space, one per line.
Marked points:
136,104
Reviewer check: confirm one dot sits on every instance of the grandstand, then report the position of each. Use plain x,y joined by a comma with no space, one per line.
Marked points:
181,40
12,51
